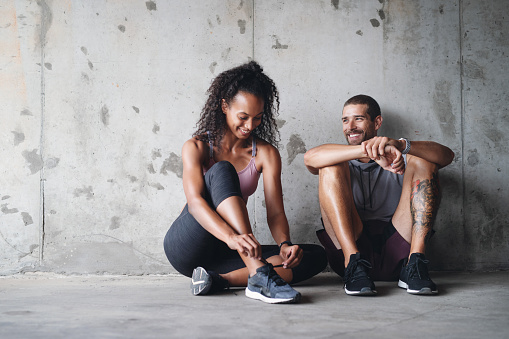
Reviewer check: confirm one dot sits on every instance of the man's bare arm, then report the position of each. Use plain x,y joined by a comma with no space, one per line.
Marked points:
428,150
331,154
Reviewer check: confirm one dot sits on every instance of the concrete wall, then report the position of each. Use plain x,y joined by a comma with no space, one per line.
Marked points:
99,96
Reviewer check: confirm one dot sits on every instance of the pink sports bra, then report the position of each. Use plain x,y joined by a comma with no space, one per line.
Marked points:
248,177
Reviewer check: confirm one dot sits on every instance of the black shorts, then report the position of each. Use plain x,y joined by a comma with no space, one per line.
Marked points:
380,243
188,245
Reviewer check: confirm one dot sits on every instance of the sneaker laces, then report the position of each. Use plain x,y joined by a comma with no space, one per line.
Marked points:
273,276
414,268
354,274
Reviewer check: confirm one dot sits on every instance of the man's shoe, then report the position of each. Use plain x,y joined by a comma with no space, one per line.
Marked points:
266,285
415,277
357,280
204,282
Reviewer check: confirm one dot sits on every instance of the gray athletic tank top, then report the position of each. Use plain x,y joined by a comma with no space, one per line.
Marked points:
376,192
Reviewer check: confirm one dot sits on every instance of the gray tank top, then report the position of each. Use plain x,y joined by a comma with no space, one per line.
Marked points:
376,192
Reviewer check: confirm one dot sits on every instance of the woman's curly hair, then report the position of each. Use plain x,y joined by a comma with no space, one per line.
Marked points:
248,78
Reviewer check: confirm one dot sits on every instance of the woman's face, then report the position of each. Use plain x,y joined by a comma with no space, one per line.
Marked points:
243,114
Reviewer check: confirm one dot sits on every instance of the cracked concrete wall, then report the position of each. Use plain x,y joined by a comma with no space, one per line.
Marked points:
98,98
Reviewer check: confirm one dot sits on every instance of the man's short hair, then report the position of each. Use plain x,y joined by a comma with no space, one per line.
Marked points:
361,99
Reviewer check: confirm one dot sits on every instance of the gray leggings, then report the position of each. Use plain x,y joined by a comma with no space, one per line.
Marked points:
188,245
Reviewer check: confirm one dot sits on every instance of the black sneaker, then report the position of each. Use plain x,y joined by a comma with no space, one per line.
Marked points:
266,285
204,282
415,277
357,280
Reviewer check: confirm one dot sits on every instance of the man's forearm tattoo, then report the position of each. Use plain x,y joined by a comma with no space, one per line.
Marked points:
424,202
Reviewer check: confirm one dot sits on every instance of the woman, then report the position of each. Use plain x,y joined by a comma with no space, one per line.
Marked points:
212,240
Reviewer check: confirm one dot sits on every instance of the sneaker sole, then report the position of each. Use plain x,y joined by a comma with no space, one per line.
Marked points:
365,291
261,297
422,291
200,281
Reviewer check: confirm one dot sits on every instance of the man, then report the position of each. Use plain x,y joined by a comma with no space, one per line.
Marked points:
378,198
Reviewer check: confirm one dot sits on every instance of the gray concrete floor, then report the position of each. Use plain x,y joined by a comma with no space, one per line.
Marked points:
42,305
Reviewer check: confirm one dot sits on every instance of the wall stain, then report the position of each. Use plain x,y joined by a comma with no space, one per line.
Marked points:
46,20
173,164
84,50
121,28
335,4
51,163
381,14
85,191
375,23
218,20
156,153
280,123
5,197
278,45
105,115
294,147
155,129
473,158
48,66
34,160
225,53
84,77
442,107
90,65
6,210
240,5
212,67
136,109
150,169
19,137
441,9
115,223
26,112
359,32
242,26
151,5
27,219
157,186
132,178
472,70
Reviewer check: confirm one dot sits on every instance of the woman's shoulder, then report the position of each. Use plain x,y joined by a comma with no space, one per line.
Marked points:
195,145
266,153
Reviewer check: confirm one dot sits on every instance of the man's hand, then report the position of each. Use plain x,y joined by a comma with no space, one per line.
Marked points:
292,255
392,161
385,152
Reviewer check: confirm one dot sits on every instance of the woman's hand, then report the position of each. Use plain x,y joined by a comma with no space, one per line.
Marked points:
292,255
245,244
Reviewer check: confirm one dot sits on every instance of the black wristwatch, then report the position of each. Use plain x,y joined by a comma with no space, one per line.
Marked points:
288,242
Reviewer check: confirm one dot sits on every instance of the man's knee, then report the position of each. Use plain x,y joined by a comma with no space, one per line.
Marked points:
335,172
422,167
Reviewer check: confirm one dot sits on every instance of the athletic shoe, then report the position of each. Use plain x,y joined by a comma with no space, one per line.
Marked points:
204,282
357,280
266,285
415,277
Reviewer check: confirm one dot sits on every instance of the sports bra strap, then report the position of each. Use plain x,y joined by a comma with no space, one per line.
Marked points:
253,152
211,148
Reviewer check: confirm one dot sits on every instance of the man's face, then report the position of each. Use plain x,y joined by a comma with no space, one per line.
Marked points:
357,124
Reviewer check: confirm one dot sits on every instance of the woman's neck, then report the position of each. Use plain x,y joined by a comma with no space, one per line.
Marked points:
230,142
